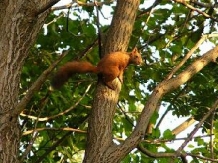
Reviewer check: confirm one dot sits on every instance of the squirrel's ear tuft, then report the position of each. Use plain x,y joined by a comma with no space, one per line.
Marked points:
135,50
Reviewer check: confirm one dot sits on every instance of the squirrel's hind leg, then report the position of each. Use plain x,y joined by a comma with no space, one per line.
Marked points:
120,76
106,81
108,78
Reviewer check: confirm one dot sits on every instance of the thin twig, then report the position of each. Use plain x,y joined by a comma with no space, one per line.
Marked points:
171,104
127,117
214,107
94,3
59,114
188,55
47,6
201,157
55,129
29,147
62,14
43,102
67,6
58,142
211,137
195,9
80,3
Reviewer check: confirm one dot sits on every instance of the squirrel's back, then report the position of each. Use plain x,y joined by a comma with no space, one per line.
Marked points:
119,60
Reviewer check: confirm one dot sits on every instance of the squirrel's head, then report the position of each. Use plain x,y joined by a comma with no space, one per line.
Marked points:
135,57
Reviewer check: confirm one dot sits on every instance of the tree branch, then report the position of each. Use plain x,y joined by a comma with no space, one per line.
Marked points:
36,86
46,6
172,102
214,107
178,152
195,9
154,155
59,114
211,133
55,129
183,126
159,141
35,133
80,3
188,55
58,142
94,3
201,157
66,6
201,4
164,155
29,147
161,89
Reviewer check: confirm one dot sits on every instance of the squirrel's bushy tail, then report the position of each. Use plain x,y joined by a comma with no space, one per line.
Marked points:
69,69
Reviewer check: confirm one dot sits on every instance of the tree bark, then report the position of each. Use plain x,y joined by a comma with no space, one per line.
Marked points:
100,137
183,126
20,23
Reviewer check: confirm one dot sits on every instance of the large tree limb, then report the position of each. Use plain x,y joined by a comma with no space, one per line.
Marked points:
161,89
100,136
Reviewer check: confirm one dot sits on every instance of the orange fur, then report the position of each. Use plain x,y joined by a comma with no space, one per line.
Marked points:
110,66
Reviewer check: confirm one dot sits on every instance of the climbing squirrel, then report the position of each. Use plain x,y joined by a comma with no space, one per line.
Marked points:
109,67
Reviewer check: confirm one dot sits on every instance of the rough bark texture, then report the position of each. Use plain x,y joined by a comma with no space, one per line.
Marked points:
120,31
20,23
101,119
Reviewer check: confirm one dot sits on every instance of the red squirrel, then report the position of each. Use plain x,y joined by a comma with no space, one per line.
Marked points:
109,67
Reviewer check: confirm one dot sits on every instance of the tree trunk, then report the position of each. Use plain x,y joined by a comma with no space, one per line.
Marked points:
100,146
20,22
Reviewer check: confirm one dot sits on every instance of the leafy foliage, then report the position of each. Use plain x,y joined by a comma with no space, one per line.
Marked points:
165,35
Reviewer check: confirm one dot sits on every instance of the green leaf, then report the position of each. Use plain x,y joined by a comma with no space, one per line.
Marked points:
168,134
